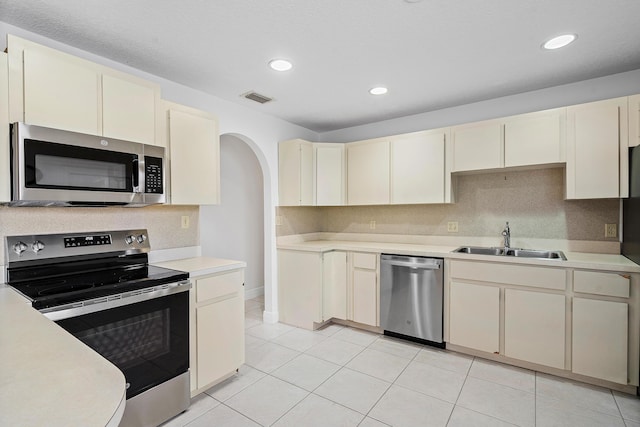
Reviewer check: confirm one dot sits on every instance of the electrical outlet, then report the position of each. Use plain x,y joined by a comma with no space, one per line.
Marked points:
185,221
611,230
372,225
452,226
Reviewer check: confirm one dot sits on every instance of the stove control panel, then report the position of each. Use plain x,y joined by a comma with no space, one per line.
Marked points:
98,239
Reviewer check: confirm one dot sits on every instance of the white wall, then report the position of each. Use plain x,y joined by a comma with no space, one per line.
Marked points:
612,86
235,228
260,131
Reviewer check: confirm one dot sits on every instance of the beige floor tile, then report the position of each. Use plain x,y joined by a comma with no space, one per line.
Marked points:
250,322
355,336
551,412
576,393
335,351
223,416
629,406
462,417
500,373
498,401
200,404
245,377
378,364
353,390
252,305
370,422
443,359
315,411
251,342
629,423
397,347
306,371
266,400
299,339
401,407
269,331
433,381
269,357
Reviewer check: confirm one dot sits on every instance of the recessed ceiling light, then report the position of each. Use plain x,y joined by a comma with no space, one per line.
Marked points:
559,41
380,90
280,64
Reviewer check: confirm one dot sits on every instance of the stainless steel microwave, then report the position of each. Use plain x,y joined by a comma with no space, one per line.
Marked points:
52,167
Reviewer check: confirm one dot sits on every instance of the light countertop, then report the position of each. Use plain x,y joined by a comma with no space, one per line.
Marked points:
49,377
605,262
202,266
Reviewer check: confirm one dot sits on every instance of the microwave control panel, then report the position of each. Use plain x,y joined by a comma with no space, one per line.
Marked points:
153,175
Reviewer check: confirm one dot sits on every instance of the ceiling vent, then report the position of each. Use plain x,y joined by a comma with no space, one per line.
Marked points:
257,97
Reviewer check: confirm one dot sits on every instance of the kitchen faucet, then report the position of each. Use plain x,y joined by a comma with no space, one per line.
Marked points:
507,236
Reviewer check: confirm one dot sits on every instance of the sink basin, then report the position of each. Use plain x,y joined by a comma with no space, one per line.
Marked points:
518,253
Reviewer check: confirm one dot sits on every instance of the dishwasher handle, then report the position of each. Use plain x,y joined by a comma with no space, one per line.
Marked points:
414,263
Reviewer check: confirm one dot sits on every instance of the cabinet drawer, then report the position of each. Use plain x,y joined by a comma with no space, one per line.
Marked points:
218,285
538,277
593,282
364,260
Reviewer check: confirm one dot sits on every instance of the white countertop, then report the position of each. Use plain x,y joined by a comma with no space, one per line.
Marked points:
202,266
50,378
608,262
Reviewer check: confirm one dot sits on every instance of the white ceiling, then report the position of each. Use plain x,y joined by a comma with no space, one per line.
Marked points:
431,54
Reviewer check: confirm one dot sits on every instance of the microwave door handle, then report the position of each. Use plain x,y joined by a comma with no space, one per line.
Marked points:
136,176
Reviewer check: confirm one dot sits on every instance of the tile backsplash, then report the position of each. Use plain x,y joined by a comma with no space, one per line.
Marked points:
532,201
162,222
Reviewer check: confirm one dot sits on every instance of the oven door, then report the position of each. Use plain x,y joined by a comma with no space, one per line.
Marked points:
147,340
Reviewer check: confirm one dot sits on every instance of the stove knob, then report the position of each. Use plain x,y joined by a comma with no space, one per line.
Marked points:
19,248
37,246
141,238
130,239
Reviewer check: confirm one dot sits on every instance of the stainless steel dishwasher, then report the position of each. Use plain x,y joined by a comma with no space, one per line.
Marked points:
411,290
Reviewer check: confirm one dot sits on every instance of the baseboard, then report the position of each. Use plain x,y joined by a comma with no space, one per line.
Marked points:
270,316
253,292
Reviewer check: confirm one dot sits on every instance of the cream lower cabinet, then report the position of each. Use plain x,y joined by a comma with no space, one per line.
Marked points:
216,328
364,289
334,285
474,317
534,327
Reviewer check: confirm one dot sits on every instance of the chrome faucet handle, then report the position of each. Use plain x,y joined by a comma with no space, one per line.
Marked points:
507,236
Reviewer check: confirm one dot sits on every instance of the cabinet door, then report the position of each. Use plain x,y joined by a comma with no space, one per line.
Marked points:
334,285
477,146
634,120
474,316
417,168
300,288
329,174
365,297
535,138
128,110
194,159
220,335
600,337
534,326
295,173
5,174
596,133
60,92
368,172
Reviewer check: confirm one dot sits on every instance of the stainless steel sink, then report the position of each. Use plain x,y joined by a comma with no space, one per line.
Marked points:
514,252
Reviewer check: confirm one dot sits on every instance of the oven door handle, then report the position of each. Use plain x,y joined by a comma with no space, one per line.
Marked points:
112,301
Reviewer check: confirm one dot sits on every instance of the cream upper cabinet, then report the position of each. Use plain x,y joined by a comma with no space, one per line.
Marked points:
534,327
329,172
418,167
60,92
54,89
600,339
194,156
295,173
634,120
597,153
474,316
334,285
535,138
477,146
368,172
5,167
129,110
